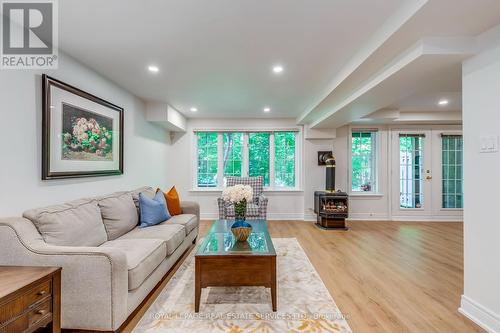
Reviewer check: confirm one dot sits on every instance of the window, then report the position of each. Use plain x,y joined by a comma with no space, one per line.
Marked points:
284,161
233,154
411,189
207,159
258,156
363,161
452,168
271,155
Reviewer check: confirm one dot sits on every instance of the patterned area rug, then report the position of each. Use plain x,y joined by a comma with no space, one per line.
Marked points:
304,303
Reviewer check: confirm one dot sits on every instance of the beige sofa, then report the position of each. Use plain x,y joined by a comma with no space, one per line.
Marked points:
109,265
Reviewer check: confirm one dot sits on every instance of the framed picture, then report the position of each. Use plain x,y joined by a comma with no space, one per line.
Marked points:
82,135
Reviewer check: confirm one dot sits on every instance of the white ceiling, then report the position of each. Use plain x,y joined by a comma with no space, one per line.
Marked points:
426,102
449,20
217,55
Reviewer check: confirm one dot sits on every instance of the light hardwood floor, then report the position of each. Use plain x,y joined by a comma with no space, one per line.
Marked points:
384,276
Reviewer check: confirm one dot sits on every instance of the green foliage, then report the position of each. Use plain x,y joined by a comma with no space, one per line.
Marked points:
452,171
258,155
207,159
233,153
284,161
362,155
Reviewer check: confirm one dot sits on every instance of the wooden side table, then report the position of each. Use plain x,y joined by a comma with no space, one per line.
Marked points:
30,298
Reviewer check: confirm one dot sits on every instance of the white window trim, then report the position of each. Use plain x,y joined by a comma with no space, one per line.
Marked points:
245,160
375,191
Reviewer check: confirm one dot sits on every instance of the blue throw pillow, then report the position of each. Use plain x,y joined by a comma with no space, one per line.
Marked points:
153,211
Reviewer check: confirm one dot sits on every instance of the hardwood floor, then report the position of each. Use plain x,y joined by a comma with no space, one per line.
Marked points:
384,276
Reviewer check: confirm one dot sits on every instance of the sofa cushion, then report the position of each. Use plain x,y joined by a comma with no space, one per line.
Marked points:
143,256
119,214
172,234
152,211
146,190
188,221
76,223
173,202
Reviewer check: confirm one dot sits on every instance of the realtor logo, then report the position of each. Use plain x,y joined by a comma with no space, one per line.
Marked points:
29,34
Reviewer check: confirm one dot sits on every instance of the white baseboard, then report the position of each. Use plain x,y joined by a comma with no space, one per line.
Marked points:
430,218
367,217
352,217
270,216
482,316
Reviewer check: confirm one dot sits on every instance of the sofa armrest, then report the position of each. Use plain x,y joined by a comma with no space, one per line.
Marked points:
94,280
191,207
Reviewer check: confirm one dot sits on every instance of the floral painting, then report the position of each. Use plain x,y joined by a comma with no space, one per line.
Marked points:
82,134
87,136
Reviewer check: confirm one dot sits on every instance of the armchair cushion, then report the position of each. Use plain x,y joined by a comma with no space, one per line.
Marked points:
76,223
257,184
253,210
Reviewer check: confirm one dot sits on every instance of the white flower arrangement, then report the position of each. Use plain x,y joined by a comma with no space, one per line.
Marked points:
238,193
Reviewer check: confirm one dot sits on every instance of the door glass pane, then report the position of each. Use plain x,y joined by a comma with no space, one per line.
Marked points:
411,187
233,154
207,159
452,151
258,156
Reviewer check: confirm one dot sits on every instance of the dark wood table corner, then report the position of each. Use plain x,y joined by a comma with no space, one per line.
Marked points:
30,299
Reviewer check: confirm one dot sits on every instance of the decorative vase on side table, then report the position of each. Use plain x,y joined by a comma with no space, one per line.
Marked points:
239,195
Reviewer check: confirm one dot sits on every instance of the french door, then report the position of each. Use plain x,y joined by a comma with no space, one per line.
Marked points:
411,172
426,174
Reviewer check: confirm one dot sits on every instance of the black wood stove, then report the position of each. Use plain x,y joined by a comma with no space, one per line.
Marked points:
331,207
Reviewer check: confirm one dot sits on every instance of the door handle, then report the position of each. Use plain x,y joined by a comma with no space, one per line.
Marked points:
428,177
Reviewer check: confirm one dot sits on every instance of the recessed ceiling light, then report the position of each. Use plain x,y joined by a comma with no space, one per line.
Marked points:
153,69
193,109
443,102
278,69
267,109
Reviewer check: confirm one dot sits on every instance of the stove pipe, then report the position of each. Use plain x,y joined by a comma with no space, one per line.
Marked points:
330,174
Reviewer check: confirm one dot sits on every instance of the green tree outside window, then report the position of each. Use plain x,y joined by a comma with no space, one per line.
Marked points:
258,155
207,159
284,161
363,161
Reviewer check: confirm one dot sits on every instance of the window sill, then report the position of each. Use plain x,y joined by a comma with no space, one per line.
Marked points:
266,190
363,195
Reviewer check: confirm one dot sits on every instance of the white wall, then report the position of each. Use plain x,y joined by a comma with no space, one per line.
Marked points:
282,205
481,114
146,157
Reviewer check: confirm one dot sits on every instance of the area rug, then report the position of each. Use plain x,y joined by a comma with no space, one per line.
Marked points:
304,303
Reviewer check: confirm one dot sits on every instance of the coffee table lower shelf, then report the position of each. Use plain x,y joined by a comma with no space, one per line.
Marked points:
235,271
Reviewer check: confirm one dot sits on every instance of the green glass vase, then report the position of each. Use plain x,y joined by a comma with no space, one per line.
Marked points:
240,210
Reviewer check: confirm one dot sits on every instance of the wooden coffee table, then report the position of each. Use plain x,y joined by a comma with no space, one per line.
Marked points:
221,261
